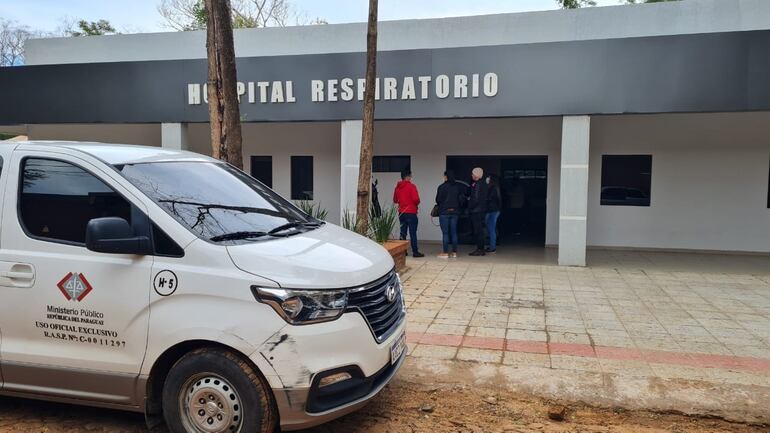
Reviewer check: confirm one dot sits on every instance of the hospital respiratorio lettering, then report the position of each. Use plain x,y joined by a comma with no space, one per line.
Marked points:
349,89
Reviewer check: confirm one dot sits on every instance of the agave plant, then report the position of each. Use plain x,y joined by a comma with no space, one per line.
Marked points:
349,221
382,225
312,209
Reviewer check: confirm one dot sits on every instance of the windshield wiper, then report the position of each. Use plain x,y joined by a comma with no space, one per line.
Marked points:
295,224
276,232
282,227
238,235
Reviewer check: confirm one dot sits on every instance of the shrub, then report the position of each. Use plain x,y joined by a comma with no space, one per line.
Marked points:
380,227
349,221
314,210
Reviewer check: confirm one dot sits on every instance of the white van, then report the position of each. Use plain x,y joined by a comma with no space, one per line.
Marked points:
170,283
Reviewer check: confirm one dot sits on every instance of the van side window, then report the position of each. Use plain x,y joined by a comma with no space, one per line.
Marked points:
57,199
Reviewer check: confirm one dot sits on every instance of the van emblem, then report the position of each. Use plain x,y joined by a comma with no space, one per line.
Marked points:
74,286
390,293
165,282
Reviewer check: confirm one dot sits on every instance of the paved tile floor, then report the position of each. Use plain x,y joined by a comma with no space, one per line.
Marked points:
664,315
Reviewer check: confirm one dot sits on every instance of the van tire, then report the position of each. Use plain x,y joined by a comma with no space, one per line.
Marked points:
253,409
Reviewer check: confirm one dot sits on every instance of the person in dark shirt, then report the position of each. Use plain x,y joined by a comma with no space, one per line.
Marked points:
477,209
494,203
450,198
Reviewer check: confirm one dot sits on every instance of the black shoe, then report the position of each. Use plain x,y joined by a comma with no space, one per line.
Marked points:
490,251
418,254
478,253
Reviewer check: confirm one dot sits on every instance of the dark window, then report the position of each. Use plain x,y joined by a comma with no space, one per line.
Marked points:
390,164
301,177
164,245
626,180
262,169
58,199
215,201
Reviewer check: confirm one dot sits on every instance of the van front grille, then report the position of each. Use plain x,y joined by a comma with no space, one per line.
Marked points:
372,302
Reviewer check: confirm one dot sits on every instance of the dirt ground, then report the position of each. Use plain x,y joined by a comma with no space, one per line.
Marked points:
402,407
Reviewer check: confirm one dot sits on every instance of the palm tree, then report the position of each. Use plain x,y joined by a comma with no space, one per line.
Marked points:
224,111
367,134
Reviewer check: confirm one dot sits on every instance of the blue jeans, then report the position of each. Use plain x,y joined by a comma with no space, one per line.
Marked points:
448,225
492,229
409,222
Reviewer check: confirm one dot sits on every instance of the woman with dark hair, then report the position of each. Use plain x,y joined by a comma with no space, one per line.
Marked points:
494,203
449,199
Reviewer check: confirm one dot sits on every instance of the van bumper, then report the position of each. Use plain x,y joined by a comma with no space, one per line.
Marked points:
292,403
345,345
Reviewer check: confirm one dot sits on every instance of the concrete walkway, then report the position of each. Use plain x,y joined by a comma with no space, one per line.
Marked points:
688,334
617,259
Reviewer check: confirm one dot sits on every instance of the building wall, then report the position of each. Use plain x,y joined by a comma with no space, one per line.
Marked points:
687,17
709,182
427,141
145,134
709,171
430,141
321,140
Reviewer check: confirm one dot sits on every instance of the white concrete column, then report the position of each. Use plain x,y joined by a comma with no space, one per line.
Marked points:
573,193
350,155
174,136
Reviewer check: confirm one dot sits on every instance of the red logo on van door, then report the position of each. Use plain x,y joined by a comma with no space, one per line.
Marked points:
74,286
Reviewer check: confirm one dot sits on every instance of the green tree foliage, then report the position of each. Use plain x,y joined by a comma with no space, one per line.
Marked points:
92,28
186,15
574,4
200,16
240,20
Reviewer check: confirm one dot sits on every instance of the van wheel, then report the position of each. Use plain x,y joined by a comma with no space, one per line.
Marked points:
215,391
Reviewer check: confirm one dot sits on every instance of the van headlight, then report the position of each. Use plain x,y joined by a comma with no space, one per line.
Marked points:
302,307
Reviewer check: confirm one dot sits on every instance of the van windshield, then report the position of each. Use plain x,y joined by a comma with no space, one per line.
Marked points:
218,202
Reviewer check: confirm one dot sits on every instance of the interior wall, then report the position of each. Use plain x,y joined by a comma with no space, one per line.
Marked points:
430,141
709,182
321,140
147,134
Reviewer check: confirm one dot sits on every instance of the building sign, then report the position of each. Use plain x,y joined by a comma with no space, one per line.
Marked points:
714,72
348,89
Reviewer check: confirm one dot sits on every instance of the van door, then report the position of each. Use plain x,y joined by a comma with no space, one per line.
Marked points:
77,325
5,152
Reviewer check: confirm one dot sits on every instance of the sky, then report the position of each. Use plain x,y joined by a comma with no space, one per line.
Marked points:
130,16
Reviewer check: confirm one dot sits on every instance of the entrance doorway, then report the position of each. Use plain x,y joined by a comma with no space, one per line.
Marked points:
523,184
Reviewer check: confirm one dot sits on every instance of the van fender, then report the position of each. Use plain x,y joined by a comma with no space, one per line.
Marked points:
200,337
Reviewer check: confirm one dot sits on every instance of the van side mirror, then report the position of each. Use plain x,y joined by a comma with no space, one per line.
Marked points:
113,235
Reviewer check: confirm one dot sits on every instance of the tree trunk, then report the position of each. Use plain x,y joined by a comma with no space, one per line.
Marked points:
367,134
224,111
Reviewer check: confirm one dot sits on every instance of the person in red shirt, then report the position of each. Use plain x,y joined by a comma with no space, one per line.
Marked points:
407,198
